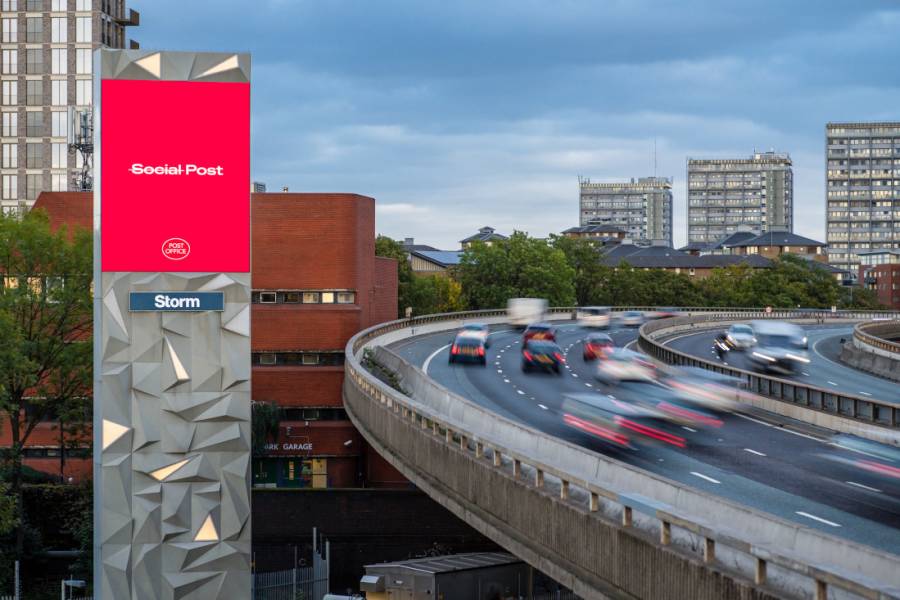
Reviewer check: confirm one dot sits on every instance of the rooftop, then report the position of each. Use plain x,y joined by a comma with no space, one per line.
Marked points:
775,238
443,258
595,228
485,234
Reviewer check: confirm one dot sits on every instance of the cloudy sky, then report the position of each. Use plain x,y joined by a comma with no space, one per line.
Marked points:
463,113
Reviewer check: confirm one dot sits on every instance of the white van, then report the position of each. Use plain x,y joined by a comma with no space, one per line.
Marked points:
522,312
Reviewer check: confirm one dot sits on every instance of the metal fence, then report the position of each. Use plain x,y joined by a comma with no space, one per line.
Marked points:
300,583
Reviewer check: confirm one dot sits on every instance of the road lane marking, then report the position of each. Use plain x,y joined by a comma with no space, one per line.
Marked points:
702,476
543,407
574,374
505,380
865,393
832,383
520,392
865,487
754,420
752,451
807,374
819,519
689,429
589,385
431,356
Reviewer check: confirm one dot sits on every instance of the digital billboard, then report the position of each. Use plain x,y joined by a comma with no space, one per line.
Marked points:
175,176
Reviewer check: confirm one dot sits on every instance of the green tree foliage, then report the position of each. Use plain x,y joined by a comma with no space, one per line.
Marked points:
521,266
45,324
584,258
265,420
627,286
388,248
435,294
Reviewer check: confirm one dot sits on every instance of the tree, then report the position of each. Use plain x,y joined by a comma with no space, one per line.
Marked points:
584,258
265,421
388,248
45,324
432,294
520,266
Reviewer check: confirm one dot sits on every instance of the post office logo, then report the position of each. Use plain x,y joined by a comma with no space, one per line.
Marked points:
176,248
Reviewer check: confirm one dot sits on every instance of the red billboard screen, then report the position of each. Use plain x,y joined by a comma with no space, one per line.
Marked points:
175,176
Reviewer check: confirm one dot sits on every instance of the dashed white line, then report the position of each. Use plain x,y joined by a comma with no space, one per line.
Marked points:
505,380
520,392
865,393
754,420
689,429
706,477
543,407
832,383
431,356
589,384
575,375
819,519
805,373
865,487
752,451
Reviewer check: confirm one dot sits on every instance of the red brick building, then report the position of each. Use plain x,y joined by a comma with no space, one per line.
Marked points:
316,282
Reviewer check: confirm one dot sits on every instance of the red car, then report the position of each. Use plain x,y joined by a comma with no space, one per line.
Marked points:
597,345
539,331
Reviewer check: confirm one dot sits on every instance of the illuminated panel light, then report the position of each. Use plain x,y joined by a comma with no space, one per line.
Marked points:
207,532
161,474
112,432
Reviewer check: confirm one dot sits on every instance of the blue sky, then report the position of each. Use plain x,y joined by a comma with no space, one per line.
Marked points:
459,114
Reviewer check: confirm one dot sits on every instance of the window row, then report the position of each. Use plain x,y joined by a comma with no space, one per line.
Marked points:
34,92
34,185
34,124
31,452
34,30
303,297
34,61
312,414
327,358
34,156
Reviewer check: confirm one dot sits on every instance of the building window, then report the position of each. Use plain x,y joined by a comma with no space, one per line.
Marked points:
59,5
34,124
83,92
310,297
310,359
322,358
10,62
59,62
10,156
58,182
83,61
34,90
327,297
60,92
346,297
10,31
304,297
33,186
34,30
268,297
33,156
83,30
34,5
34,61
267,358
60,156
83,5
59,30
59,123
291,297
10,187
10,124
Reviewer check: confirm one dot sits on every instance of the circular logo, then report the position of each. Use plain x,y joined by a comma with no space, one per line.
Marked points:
176,248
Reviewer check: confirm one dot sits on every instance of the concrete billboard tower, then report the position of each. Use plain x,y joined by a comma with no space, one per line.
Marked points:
171,325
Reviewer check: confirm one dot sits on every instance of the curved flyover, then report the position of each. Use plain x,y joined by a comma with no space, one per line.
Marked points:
875,348
596,522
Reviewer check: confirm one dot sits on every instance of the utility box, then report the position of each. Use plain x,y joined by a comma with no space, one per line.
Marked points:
472,576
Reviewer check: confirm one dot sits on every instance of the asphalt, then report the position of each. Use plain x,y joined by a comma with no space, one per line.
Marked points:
769,463
824,369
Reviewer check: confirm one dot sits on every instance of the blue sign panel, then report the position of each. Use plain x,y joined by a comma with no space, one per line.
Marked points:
175,301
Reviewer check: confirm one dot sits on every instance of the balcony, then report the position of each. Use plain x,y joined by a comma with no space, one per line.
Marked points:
131,18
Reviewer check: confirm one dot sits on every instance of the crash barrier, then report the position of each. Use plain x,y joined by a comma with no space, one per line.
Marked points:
873,349
597,525
860,409
880,335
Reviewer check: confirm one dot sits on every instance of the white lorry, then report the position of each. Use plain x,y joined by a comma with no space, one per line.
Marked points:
522,312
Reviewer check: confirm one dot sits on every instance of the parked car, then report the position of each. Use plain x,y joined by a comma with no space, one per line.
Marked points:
594,316
740,336
539,331
596,345
481,329
468,348
542,355
631,318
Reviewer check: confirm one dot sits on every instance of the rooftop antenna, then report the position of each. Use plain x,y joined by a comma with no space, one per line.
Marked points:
81,141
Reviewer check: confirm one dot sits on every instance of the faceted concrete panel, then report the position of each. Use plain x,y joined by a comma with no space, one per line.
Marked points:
174,399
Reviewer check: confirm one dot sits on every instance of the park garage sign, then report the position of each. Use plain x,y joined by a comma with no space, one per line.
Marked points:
171,325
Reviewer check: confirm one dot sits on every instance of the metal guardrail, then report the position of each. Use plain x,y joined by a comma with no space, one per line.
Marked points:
594,496
864,409
873,334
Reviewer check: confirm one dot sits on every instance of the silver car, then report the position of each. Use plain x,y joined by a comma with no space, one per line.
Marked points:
740,336
779,346
631,318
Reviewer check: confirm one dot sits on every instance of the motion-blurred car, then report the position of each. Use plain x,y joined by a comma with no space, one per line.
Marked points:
481,329
596,345
522,311
631,318
617,421
662,313
542,355
740,336
594,316
877,463
625,365
779,347
539,331
468,348
707,389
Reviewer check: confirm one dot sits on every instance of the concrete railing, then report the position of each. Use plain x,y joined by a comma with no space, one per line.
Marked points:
880,335
872,349
822,406
602,527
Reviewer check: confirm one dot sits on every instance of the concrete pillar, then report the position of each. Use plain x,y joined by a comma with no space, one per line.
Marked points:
760,577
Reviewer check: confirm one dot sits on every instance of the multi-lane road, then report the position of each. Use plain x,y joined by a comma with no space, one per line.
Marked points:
764,461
